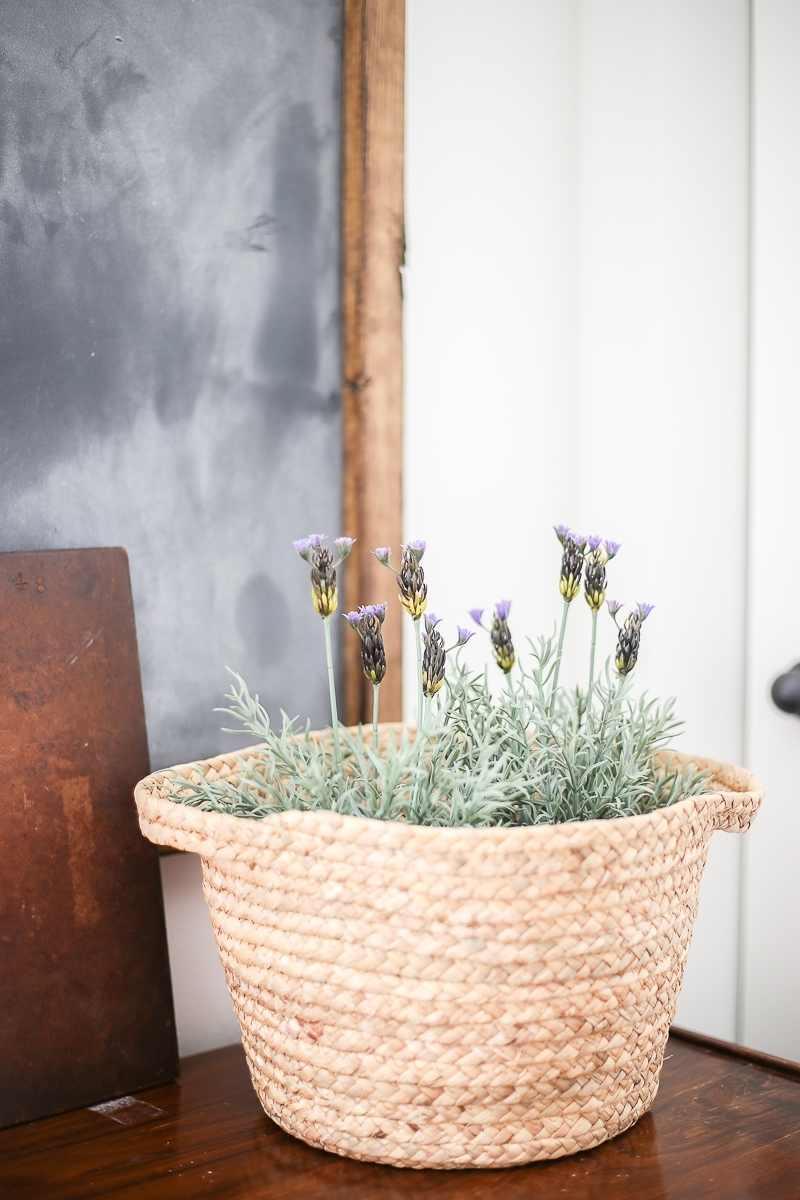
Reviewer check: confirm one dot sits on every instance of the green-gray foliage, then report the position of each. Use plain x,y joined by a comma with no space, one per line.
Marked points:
479,761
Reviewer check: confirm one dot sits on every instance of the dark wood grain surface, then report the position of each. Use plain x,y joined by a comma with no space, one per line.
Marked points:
720,1127
85,995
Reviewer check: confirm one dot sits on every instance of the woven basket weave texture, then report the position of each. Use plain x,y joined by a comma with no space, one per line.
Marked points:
451,997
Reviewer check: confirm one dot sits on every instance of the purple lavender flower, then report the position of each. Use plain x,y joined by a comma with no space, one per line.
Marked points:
644,610
373,610
431,620
324,592
613,607
434,658
612,548
367,624
594,575
417,548
344,545
464,635
628,644
305,545
477,616
413,594
500,636
383,554
562,532
569,580
593,541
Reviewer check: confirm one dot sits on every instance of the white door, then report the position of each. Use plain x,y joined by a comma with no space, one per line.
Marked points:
770,946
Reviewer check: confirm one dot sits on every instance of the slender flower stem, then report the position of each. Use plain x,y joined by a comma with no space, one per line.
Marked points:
337,753
418,635
376,687
557,667
591,668
509,688
523,697
612,696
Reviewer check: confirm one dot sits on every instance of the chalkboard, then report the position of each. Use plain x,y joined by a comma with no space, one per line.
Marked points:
170,363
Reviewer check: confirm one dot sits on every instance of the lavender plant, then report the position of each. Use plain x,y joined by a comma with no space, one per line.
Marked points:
534,754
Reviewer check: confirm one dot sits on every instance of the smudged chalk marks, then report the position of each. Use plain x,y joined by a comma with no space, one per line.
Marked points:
116,83
262,621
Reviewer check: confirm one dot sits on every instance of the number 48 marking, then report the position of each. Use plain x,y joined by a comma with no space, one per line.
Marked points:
20,582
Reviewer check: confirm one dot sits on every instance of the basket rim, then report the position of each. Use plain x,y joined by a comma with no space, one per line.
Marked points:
223,826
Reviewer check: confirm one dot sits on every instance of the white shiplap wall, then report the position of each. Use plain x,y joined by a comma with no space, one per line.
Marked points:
577,343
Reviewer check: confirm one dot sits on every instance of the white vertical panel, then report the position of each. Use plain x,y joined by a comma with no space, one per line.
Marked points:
576,341
490,163
662,390
771,977
204,1013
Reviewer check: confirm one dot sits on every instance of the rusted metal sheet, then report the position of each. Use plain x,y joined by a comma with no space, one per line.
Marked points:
85,997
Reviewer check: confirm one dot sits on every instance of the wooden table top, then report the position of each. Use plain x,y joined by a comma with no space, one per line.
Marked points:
721,1127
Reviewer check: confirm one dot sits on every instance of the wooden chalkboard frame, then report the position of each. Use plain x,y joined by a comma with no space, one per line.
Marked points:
373,245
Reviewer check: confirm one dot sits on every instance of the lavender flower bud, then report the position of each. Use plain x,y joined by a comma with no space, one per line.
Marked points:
612,549
373,654
433,662
644,611
324,592
569,583
367,624
613,607
562,532
502,644
431,620
383,554
594,582
411,581
344,545
464,635
628,644
477,616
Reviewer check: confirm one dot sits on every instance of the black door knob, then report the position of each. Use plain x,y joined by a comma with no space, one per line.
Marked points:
786,691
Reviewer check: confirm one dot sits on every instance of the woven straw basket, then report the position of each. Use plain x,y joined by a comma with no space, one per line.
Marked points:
451,997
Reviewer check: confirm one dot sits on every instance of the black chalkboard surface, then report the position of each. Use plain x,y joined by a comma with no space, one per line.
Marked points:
169,326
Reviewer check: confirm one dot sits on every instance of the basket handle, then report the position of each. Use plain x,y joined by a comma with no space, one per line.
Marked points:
734,811
737,799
